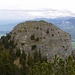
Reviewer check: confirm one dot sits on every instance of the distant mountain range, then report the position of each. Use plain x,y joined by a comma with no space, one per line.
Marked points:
65,23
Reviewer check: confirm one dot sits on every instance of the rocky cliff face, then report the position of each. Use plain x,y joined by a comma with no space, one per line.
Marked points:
43,36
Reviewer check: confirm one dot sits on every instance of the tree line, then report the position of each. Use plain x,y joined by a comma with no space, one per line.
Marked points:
35,64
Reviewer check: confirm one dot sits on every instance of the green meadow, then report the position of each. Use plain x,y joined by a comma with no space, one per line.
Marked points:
73,44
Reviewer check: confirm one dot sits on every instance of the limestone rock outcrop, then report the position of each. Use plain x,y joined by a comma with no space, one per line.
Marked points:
43,36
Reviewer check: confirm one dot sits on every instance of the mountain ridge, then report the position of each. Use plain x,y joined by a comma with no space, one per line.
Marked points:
40,35
65,23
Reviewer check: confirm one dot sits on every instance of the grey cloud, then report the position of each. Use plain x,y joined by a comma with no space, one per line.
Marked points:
30,14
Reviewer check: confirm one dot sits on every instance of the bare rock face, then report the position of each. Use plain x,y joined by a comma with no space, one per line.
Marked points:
43,36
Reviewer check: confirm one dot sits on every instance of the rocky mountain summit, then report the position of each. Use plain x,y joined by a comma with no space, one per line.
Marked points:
40,35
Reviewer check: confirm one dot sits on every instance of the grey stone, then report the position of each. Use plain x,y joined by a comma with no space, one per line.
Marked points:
52,40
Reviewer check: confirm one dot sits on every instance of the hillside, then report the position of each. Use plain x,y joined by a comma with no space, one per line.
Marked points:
43,36
29,48
65,23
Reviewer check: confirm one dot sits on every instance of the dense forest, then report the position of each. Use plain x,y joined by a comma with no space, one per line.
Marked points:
31,65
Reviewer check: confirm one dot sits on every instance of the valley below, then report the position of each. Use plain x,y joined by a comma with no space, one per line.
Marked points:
73,45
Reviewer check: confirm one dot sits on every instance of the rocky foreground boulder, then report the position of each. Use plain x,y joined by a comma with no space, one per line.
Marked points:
40,35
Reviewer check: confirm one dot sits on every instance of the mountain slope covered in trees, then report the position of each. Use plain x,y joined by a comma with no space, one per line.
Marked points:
31,64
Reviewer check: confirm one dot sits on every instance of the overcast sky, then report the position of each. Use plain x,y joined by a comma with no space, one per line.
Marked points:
38,4
61,5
